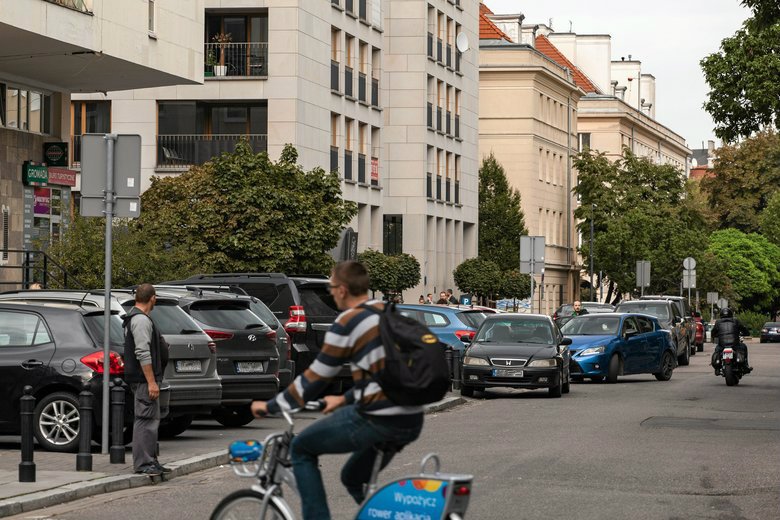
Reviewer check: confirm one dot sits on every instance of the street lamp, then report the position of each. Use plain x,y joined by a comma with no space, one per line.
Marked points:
592,291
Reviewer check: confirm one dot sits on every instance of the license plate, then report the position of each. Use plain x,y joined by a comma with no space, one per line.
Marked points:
249,367
188,365
502,372
728,355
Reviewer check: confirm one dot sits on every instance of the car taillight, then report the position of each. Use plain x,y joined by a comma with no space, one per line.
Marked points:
116,366
213,347
271,334
297,321
460,334
218,335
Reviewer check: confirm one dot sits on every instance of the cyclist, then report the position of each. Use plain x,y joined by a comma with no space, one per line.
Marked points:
363,416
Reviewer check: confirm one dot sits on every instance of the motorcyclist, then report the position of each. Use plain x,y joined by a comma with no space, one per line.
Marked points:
726,333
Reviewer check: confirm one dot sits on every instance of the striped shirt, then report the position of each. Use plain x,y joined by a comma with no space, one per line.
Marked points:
354,337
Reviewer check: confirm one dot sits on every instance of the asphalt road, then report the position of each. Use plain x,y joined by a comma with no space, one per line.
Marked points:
689,448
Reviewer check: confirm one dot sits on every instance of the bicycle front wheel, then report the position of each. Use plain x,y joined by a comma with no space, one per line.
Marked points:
245,504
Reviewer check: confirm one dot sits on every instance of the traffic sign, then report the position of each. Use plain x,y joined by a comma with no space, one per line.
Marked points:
723,303
689,263
689,279
126,178
712,297
642,273
531,254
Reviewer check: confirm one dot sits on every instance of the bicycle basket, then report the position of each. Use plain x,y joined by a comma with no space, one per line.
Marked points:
244,457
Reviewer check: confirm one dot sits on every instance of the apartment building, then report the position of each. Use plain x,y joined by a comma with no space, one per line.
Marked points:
375,89
50,49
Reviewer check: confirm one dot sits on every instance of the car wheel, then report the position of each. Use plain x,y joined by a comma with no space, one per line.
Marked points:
57,422
567,384
597,379
557,390
614,369
467,391
685,358
172,426
667,367
233,416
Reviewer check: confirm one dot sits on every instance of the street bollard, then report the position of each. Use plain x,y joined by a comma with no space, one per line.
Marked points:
448,359
84,456
117,450
27,466
457,371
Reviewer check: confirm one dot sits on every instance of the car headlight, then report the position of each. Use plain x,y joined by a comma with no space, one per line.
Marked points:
469,360
593,350
543,363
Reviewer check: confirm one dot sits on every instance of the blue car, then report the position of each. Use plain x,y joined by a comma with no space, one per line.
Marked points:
450,324
615,344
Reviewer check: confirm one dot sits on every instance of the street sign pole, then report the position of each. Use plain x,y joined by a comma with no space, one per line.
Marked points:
532,260
109,200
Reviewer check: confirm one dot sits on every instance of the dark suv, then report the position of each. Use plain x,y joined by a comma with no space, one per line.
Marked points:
685,311
301,302
669,318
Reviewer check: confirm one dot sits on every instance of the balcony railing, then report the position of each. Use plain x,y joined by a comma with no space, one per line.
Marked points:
430,115
457,192
438,119
334,158
361,87
457,125
236,59
362,168
334,75
449,55
374,92
447,190
176,151
438,187
348,81
429,185
348,165
449,120
430,45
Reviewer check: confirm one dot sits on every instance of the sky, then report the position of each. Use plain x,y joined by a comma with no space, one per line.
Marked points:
669,40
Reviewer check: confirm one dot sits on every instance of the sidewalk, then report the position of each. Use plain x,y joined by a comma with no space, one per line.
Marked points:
201,447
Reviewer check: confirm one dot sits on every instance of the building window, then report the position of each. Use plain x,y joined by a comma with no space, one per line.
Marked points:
151,16
88,117
393,234
245,53
584,141
6,233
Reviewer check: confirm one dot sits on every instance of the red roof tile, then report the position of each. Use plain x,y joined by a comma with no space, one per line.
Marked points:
546,47
487,29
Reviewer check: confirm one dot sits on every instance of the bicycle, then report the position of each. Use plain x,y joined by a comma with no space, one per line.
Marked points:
425,496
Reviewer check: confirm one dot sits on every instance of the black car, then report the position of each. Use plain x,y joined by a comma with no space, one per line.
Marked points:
519,351
55,350
669,318
770,332
689,320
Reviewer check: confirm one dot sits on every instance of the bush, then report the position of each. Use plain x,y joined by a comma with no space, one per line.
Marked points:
753,321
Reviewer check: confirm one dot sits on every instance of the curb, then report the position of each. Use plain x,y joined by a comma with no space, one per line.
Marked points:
98,486
444,404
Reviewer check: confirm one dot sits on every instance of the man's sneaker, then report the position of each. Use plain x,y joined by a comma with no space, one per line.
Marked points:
162,468
150,471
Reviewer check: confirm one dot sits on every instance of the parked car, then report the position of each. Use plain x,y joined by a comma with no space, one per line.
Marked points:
612,345
55,349
518,351
195,386
247,357
302,303
669,317
564,313
687,314
451,324
770,332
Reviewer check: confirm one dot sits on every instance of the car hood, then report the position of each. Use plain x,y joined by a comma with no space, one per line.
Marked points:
526,350
582,342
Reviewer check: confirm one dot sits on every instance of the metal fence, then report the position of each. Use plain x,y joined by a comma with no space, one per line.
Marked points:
236,59
175,151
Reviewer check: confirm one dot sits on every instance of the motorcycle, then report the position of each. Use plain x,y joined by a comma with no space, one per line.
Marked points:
733,365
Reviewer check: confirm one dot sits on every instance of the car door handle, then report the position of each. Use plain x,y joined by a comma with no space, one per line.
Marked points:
32,363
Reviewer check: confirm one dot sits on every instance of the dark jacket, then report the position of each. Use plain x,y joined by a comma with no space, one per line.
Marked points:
727,331
580,312
157,348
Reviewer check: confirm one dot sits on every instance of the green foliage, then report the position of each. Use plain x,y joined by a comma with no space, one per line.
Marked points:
746,176
243,212
478,277
744,95
753,321
390,274
753,265
515,285
769,220
500,217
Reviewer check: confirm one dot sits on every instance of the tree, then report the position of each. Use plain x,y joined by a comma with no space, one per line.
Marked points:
769,220
515,285
500,217
744,95
478,277
390,274
243,212
746,175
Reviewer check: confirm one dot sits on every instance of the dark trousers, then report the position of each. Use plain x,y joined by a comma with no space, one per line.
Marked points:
145,427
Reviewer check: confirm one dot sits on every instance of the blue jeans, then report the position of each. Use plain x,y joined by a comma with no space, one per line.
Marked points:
344,431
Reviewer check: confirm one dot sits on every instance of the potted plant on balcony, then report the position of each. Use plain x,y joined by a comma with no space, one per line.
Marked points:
222,40
211,62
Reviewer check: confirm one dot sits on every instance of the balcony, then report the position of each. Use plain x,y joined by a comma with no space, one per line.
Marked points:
182,151
361,87
449,121
429,185
348,81
362,168
449,55
347,165
244,60
334,158
457,192
374,92
438,119
438,187
334,75
430,115
447,185
457,126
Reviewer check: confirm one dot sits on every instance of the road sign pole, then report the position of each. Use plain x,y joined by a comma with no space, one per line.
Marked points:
532,285
109,201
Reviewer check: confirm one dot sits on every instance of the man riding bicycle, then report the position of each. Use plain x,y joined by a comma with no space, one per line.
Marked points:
363,417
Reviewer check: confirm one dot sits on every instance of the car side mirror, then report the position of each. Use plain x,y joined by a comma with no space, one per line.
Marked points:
565,341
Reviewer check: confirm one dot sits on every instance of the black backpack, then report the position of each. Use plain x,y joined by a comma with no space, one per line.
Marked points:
416,370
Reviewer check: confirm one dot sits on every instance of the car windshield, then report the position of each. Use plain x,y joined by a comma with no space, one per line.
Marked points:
169,318
591,307
95,323
225,315
515,331
590,325
473,318
659,310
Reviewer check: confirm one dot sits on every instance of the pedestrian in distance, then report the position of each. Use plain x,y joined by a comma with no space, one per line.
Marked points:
442,298
35,286
145,359
450,298
429,298
422,299
578,309
356,421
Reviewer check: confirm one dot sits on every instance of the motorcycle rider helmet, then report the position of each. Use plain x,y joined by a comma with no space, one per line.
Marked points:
726,313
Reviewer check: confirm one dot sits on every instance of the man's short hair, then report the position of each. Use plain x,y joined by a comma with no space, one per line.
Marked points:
353,275
449,291
144,293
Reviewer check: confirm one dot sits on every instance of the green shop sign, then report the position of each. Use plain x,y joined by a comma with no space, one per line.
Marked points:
34,174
